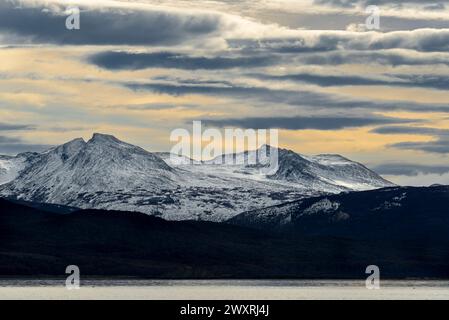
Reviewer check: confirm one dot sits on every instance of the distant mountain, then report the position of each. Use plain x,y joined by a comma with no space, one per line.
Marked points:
323,170
111,244
330,173
402,213
70,173
106,173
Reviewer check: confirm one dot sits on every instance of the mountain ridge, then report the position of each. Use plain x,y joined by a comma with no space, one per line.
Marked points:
107,173
395,212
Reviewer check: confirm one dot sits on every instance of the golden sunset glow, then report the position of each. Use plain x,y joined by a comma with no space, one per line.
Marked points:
377,96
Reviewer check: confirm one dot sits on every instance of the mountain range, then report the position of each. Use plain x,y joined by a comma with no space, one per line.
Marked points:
115,209
106,173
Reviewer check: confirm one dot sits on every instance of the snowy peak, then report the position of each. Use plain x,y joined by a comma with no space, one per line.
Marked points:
113,149
104,139
114,154
67,173
328,173
333,170
70,149
107,173
292,167
108,141
258,157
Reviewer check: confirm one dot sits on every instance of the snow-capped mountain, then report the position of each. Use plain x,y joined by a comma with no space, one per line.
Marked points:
329,173
106,173
71,173
323,170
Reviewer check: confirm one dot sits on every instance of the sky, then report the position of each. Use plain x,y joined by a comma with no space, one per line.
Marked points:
310,68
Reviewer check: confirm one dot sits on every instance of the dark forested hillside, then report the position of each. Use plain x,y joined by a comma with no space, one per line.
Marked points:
122,244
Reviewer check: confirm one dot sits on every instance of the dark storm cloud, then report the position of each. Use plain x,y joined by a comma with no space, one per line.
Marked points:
269,97
15,127
304,123
411,170
135,61
105,27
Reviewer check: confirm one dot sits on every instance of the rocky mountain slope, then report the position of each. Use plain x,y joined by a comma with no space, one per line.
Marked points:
106,173
400,212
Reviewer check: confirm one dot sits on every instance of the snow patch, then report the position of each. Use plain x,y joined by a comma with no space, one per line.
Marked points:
322,206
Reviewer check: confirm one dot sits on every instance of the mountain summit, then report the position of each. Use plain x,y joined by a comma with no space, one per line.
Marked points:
332,173
107,173
103,164
323,170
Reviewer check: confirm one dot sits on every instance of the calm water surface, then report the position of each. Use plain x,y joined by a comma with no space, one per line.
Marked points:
223,290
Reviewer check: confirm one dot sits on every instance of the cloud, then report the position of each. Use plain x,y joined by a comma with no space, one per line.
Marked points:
304,41
440,145
404,169
435,6
411,130
159,106
380,57
4,139
196,82
184,36
15,127
14,145
322,80
142,24
268,97
309,42
65,129
304,123
16,148
102,25
397,80
135,61
365,3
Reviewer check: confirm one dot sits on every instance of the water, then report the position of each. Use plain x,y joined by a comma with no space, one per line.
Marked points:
223,290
